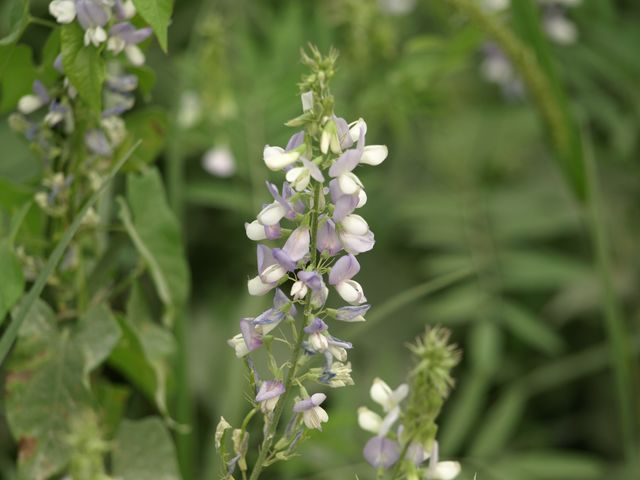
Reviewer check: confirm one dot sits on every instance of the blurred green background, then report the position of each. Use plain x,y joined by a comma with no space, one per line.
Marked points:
477,227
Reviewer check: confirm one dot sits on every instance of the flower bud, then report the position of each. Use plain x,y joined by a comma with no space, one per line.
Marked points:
355,224
29,104
255,231
349,183
369,420
299,178
374,154
63,10
271,214
351,292
276,158
299,290
318,342
257,287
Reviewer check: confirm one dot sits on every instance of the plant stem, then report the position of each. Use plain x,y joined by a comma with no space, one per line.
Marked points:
295,355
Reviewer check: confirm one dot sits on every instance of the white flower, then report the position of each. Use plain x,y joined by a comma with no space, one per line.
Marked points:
276,158
255,231
63,10
349,183
299,290
383,394
219,161
369,420
273,273
299,178
374,154
355,128
190,109
128,9
351,292
312,414
95,36
29,104
362,198
239,345
271,214
354,224
446,470
134,55
318,342
257,287
560,29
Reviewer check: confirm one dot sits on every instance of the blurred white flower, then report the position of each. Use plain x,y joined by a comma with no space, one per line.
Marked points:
190,109
219,161
397,7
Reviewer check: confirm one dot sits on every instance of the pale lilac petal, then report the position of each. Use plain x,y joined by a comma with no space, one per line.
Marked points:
349,313
317,325
381,452
336,342
314,170
273,232
265,257
345,163
284,259
357,243
344,206
327,238
344,269
297,245
343,132
269,389
309,403
313,280
91,14
295,141
251,336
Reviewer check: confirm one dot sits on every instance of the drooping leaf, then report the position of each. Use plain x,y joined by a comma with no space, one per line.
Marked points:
15,18
143,450
83,65
529,329
157,238
158,14
12,284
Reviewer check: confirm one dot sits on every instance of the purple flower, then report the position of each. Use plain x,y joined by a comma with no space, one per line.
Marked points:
252,338
294,250
313,280
295,141
269,319
381,452
269,394
317,325
91,13
352,313
327,238
97,143
355,244
312,414
318,341
340,276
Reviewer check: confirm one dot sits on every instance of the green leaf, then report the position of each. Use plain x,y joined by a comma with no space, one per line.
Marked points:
12,284
17,59
98,334
83,65
157,13
43,394
553,465
144,350
15,18
143,450
531,330
150,126
157,238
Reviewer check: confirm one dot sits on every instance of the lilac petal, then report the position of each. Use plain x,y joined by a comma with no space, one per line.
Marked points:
295,141
327,238
343,132
57,64
273,232
344,269
344,206
97,142
313,280
357,243
130,34
91,14
284,259
317,325
269,389
251,336
119,10
336,342
122,83
319,296
268,317
345,163
265,258
314,170
334,190
351,312
40,90
415,453
309,403
280,299
381,452
297,245
287,193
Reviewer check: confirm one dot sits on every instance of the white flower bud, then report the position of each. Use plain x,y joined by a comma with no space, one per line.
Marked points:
63,10
374,154
255,231
351,292
299,290
355,224
273,273
299,178
219,161
307,100
276,158
128,9
94,36
354,131
369,420
362,198
116,45
239,345
389,399
324,141
257,287
269,405
271,214
29,104
134,55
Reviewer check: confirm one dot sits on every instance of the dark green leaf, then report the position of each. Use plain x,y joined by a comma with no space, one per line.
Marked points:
83,65
150,126
18,60
12,283
98,335
158,14
15,18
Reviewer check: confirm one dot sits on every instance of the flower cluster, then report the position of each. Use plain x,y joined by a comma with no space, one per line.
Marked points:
497,68
415,405
309,237
53,117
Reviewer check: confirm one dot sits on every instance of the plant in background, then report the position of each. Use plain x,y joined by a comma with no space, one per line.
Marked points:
404,451
91,302
313,214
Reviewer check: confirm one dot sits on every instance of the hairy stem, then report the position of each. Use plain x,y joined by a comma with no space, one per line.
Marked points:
295,355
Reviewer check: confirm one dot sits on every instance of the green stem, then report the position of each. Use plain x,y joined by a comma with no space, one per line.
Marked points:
295,355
